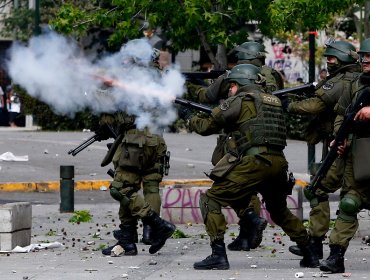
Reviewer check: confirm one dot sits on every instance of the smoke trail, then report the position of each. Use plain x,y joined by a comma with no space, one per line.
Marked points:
54,70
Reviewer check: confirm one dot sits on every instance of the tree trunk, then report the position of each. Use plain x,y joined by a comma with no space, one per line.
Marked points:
366,20
221,57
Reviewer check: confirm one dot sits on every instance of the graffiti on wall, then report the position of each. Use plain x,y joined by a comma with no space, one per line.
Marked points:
280,57
181,205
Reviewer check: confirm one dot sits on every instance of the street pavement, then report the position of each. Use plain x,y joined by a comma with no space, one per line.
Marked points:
80,256
47,151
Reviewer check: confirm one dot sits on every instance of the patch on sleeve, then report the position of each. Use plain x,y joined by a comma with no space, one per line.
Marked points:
225,105
328,85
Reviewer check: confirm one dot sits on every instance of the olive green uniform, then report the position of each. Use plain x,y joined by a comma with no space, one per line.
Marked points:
254,162
355,194
137,157
327,94
218,91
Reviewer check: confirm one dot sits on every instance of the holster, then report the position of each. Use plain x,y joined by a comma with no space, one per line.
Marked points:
223,167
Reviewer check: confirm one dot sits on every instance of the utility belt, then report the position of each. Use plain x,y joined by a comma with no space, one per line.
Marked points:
148,171
263,150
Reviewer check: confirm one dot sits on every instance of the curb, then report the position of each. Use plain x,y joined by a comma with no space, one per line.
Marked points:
53,186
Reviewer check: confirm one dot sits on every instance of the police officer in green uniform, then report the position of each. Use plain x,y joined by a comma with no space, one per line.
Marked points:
252,226
247,53
341,59
254,123
355,194
137,156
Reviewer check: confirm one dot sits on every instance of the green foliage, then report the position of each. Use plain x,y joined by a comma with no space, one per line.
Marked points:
179,234
100,247
305,15
48,120
82,216
51,232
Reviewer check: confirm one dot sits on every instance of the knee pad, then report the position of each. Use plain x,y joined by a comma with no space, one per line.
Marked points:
349,206
207,205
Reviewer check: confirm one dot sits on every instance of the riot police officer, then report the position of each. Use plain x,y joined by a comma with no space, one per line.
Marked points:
356,179
137,156
254,162
341,58
251,226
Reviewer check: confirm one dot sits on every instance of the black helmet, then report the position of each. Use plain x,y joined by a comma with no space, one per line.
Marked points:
250,50
244,74
364,48
345,52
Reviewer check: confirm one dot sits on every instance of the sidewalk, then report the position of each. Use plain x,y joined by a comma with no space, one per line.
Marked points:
81,257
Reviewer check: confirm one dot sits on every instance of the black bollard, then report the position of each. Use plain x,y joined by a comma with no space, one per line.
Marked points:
67,174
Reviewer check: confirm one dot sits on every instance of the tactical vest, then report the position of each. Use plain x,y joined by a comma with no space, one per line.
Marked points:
329,91
332,89
361,129
267,128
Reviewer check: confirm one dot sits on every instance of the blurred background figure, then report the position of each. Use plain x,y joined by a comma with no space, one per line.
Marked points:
2,106
13,105
323,74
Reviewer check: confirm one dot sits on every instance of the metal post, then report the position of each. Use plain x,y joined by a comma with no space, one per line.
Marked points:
66,188
311,77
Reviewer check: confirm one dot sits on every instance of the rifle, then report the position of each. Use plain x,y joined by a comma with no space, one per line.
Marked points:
103,133
193,105
342,134
213,74
307,88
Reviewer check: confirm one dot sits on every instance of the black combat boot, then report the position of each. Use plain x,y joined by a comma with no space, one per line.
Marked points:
241,242
310,258
126,241
335,262
117,234
316,245
255,226
147,234
218,258
162,230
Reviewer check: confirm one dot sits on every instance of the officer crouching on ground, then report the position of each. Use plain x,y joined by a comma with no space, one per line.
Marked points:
254,162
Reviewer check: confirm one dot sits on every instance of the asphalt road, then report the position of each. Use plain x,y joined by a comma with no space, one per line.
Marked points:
47,151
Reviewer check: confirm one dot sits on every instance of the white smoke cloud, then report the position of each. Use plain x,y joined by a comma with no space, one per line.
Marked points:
53,69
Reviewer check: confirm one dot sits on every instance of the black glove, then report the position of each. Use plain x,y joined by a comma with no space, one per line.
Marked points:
184,113
103,133
285,103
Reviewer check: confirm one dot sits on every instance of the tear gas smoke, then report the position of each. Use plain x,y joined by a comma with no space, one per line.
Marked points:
54,70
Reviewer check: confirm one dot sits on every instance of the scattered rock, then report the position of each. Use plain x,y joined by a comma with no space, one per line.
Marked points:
152,262
117,251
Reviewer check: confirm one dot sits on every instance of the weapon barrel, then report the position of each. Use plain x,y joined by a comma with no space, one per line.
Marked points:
203,75
83,145
193,105
282,92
